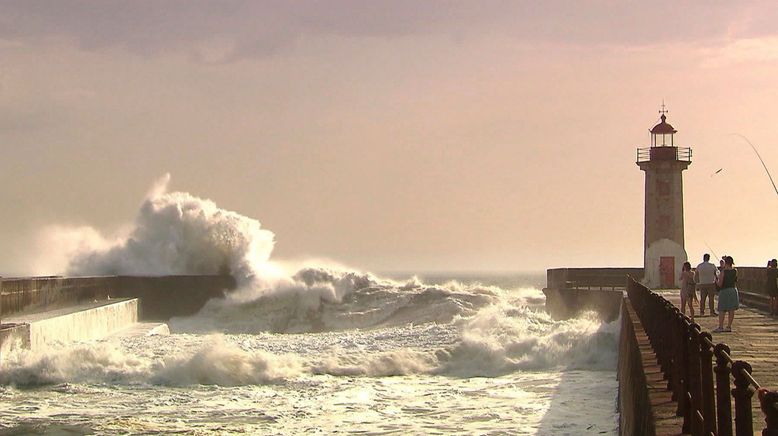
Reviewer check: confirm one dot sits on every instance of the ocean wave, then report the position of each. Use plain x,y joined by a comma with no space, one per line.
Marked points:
484,330
488,344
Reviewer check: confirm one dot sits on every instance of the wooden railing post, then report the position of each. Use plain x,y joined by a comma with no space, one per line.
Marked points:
695,382
708,394
723,396
666,353
684,403
743,392
672,351
769,403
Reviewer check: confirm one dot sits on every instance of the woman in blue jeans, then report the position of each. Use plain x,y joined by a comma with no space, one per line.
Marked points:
729,301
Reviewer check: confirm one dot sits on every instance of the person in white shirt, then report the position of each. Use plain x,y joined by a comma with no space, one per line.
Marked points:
705,277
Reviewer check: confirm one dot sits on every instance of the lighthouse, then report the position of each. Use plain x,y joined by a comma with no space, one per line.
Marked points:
663,163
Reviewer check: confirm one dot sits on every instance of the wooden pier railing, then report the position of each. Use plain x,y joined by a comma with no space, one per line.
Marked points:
703,392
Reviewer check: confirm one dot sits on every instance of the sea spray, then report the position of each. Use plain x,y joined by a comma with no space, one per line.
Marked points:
178,233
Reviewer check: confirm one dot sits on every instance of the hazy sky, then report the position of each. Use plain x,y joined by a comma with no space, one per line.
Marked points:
393,135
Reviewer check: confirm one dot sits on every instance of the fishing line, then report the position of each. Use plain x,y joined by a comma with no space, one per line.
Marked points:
715,256
760,160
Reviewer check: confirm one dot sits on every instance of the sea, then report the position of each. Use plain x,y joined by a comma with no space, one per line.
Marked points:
313,348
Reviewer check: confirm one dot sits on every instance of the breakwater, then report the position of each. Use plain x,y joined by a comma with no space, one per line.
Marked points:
160,298
40,311
83,322
570,291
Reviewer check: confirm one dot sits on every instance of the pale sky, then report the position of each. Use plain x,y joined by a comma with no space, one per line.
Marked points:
392,135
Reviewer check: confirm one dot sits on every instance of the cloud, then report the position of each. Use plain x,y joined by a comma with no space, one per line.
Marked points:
744,51
238,29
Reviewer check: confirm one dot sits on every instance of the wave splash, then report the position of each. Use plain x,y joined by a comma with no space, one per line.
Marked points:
489,344
178,233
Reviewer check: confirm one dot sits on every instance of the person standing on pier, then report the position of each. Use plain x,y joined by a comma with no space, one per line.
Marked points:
771,285
687,289
729,300
705,275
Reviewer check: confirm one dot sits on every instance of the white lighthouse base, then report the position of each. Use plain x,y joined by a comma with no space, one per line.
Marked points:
662,262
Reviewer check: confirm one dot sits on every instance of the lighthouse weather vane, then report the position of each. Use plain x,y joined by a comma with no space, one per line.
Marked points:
664,110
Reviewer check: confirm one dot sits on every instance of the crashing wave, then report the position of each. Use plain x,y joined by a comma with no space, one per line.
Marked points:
472,330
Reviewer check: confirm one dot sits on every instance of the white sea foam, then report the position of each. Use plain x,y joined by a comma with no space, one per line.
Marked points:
82,363
486,344
176,233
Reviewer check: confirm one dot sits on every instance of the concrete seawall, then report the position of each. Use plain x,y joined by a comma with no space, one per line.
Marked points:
569,303
160,298
646,406
571,291
590,278
76,323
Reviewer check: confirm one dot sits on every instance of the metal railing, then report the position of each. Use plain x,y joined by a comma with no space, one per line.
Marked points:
596,283
664,153
685,354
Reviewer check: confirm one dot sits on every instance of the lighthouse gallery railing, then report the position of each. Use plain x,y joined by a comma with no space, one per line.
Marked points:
664,153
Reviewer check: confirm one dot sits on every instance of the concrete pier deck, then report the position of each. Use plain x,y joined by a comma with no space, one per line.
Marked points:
753,339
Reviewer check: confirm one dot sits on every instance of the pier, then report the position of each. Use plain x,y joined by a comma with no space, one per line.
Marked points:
674,376
38,311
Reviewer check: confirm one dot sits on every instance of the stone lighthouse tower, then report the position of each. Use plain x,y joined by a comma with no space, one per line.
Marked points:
663,162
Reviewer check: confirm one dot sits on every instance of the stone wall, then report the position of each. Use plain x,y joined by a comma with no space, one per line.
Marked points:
752,279
569,303
635,414
570,291
646,406
590,278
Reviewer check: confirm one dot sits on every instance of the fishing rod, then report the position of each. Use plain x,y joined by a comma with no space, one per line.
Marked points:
716,256
753,147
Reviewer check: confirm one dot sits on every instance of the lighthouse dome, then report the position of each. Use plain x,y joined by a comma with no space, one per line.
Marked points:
663,128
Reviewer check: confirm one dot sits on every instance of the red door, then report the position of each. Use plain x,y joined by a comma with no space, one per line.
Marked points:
667,271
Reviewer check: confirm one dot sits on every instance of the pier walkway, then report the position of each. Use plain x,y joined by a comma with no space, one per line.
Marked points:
675,376
754,339
712,379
